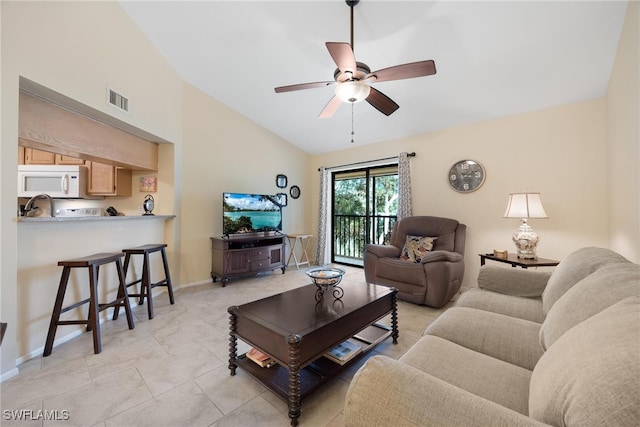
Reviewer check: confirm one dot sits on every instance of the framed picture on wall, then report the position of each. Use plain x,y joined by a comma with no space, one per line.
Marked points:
282,199
281,181
148,184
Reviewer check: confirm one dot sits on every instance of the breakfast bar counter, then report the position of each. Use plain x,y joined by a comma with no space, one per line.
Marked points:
42,219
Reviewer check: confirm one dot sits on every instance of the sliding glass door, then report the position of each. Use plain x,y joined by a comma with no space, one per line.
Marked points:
364,208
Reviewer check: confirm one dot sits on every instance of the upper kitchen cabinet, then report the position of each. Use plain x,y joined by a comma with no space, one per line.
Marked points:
68,160
108,180
31,156
38,157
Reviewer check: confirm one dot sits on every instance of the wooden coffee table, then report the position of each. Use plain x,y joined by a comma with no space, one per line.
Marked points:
296,331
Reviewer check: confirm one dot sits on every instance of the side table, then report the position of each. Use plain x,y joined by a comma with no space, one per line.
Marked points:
304,242
519,262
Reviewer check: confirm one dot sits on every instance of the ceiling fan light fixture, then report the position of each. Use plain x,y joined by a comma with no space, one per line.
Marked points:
352,91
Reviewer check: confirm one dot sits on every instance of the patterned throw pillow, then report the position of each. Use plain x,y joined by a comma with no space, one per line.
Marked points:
416,247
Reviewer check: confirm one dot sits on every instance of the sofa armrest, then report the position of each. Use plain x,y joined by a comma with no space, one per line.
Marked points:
386,392
383,251
518,282
435,256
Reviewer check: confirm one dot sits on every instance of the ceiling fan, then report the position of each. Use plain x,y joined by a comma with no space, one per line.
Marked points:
353,79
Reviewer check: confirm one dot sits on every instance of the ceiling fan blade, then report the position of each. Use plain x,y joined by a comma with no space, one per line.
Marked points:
381,102
343,56
302,86
404,71
331,107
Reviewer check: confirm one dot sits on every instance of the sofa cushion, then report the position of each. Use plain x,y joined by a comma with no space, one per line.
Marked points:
416,247
506,338
589,376
603,288
386,392
509,305
519,282
484,376
575,267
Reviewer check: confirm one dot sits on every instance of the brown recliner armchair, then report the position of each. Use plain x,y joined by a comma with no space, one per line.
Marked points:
435,276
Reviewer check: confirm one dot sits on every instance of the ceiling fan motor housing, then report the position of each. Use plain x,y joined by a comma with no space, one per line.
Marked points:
362,70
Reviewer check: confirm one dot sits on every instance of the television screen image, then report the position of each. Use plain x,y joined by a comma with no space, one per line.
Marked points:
250,213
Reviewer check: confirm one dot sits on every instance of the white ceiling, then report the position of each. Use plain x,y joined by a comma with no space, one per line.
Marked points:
493,59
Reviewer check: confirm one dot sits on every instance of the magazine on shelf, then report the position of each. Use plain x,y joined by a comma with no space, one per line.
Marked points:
372,335
260,358
344,352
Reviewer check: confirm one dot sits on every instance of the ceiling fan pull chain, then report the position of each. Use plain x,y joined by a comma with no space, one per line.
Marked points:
352,133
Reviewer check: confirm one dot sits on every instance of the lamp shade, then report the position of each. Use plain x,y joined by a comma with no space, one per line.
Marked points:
525,205
352,91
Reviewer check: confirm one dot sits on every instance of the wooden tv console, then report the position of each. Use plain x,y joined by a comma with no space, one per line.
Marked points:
242,255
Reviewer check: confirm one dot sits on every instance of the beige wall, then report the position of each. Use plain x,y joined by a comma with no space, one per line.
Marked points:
224,151
623,136
557,152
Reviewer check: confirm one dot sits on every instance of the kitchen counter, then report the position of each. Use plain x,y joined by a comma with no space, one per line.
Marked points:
42,219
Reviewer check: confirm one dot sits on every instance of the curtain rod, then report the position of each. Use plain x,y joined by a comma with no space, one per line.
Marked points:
413,154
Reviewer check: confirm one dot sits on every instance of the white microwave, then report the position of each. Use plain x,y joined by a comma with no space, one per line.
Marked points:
58,181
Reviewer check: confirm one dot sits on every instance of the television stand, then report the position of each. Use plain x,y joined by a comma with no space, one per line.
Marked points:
246,254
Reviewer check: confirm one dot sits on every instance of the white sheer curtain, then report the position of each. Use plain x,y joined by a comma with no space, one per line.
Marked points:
322,249
404,186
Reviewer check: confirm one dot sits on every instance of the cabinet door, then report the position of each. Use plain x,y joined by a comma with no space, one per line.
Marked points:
101,179
38,157
238,262
66,160
108,180
276,256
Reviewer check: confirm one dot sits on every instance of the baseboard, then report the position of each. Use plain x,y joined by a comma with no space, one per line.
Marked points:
38,352
10,374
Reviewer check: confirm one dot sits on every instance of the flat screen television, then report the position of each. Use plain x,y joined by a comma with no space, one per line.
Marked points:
250,213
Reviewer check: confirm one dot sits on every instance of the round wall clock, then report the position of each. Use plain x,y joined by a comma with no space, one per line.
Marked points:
466,176
294,191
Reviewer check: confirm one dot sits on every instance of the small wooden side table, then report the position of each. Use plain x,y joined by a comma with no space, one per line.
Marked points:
304,242
519,262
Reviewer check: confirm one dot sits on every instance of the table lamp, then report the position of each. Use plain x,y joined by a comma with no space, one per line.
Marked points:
523,206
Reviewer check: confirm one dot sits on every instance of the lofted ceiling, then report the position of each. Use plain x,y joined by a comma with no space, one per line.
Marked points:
493,59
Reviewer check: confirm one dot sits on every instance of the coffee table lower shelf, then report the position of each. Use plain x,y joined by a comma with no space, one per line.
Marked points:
312,376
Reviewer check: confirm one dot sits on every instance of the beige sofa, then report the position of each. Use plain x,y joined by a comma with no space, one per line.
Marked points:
526,347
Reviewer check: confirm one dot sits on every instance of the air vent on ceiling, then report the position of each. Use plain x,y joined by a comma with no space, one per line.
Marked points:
117,100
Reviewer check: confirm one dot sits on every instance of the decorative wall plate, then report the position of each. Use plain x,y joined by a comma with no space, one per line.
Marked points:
294,191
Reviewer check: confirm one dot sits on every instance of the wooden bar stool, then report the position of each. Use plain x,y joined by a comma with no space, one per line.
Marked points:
146,286
92,263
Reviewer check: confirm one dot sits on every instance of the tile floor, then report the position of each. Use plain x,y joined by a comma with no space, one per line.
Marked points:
172,370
